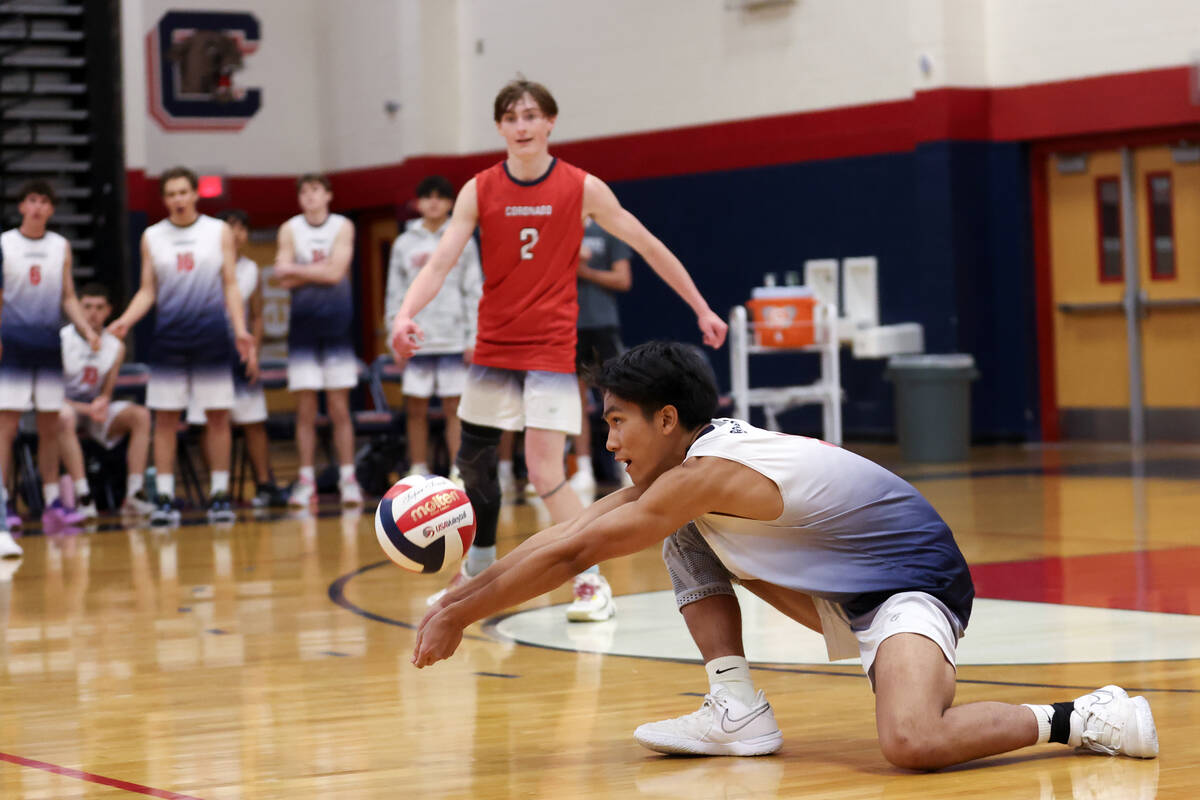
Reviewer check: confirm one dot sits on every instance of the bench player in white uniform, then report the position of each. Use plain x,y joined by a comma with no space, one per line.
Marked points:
89,409
188,269
38,289
832,540
249,400
449,323
313,260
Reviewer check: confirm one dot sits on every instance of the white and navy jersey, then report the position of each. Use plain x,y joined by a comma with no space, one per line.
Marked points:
33,290
850,532
191,290
318,312
84,369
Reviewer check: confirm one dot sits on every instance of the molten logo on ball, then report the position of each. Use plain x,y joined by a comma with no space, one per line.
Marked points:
436,504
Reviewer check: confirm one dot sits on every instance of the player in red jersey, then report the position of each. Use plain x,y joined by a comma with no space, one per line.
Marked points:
530,210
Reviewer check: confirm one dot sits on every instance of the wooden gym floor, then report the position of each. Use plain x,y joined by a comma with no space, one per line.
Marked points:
270,659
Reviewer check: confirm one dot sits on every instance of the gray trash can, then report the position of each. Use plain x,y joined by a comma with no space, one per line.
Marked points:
933,405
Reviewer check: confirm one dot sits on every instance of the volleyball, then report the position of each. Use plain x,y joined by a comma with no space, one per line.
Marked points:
425,523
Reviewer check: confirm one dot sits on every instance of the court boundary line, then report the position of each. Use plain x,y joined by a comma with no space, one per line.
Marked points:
91,777
338,596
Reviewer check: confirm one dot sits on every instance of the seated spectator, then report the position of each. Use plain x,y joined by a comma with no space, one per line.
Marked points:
89,377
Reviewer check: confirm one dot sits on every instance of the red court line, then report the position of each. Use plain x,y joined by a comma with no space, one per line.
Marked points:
91,777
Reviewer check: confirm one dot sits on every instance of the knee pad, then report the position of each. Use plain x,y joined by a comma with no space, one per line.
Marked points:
477,460
695,570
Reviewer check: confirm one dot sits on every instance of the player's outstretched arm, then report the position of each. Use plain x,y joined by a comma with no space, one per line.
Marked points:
600,203
406,334
539,540
674,499
142,300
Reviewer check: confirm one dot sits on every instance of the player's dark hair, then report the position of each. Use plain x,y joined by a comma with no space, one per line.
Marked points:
514,90
37,186
177,172
314,177
435,184
94,289
658,374
235,215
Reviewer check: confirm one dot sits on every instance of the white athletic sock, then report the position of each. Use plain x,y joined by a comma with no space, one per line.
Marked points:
1042,714
134,483
732,672
308,474
220,481
82,489
505,469
50,492
346,474
479,559
419,468
583,466
165,483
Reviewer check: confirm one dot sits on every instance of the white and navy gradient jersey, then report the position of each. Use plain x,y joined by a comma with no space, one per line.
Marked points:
191,290
850,532
320,314
33,281
84,369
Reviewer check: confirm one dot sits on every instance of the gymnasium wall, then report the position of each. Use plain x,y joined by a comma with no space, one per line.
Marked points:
621,66
748,140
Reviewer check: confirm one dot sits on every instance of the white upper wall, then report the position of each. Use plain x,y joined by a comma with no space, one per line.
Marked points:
628,65
618,66
1036,41
358,65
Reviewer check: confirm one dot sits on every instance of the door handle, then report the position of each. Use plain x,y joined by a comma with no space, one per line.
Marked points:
1090,308
1172,302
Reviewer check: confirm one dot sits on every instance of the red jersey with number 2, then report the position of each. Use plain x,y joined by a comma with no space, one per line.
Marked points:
529,234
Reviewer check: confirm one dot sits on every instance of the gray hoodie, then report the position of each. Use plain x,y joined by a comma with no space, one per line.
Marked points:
450,318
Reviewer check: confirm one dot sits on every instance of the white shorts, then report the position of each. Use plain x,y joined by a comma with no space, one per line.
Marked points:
443,375
513,400
173,388
100,432
321,370
906,612
249,406
31,388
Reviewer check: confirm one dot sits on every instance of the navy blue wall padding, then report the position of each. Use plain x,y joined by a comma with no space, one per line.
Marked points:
948,222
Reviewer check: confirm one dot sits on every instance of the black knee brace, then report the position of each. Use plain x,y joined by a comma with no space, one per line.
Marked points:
478,457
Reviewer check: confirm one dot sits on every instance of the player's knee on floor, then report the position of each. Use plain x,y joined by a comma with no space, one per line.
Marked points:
914,740
908,750
696,572
478,461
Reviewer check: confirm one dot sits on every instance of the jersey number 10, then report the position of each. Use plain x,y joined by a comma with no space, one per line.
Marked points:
184,262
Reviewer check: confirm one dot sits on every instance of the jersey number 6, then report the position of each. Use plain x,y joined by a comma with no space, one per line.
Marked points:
530,237
35,274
